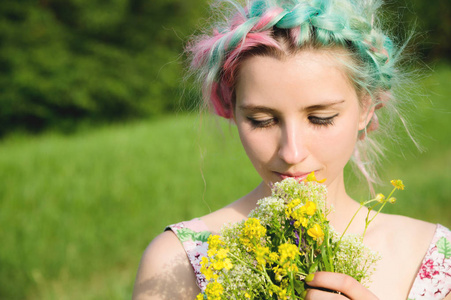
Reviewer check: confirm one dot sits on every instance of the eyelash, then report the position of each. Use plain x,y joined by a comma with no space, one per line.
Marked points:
322,121
316,121
262,124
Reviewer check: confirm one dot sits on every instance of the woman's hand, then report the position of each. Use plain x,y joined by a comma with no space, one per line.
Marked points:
328,285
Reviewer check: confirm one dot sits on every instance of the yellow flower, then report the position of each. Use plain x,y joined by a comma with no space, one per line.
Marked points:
273,256
214,290
282,293
309,208
218,265
260,255
220,261
316,233
380,198
397,184
228,264
288,267
208,273
312,177
204,269
301,221
293,203
211,252
214,241
222,253
252,232
204,261
298,215
287,252
279,273
200,297
247,296
290,207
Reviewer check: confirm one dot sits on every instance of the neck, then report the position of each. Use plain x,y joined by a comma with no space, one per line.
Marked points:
343,207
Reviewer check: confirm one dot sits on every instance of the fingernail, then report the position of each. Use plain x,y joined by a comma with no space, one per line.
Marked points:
309,277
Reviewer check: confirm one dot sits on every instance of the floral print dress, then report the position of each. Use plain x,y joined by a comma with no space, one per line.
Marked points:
194,236
432,282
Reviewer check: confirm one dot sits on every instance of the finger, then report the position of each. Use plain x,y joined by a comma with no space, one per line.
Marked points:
342,283
313,294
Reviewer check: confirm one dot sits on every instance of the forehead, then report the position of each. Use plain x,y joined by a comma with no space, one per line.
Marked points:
307,76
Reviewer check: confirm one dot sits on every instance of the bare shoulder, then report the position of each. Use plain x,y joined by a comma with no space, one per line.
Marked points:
164,271
401,230
406,228
400,236
402,243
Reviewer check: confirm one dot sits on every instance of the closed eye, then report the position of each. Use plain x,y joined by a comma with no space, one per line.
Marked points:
322,121
262,123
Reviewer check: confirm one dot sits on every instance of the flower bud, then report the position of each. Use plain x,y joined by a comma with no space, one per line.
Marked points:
380,198
392,200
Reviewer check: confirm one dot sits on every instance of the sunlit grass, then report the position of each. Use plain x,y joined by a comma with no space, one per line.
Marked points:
77,211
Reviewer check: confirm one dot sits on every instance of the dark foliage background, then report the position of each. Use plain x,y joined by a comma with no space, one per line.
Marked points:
66,62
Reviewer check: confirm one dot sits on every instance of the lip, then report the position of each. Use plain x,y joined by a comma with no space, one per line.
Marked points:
298,176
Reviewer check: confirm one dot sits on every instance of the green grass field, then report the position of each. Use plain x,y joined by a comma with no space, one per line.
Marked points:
77,211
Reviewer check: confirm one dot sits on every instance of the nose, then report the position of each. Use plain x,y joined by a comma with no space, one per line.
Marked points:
292,145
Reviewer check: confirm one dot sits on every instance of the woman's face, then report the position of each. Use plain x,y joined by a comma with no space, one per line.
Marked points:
297,115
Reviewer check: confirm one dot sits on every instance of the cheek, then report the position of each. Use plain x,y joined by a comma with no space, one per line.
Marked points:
256,144
336,146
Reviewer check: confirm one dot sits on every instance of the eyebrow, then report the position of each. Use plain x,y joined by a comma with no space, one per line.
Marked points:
324,105
258,108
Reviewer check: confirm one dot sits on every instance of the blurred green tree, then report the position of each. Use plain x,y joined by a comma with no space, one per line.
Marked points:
62,61
431,21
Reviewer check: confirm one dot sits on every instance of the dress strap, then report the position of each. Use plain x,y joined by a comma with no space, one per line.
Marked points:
433,280
194,236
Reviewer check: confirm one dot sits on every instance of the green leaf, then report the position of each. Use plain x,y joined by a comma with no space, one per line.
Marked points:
299,286
444,247
329,251
186,234
326,259
314,267
202,236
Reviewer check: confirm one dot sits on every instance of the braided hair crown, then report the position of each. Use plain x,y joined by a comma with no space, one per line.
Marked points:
268,26
346,23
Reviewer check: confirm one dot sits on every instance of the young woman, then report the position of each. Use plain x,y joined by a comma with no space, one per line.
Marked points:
302,80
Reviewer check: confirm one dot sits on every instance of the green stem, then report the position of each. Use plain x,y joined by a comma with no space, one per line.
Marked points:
329,256
367,223
347,227
244,263
267,278
391,193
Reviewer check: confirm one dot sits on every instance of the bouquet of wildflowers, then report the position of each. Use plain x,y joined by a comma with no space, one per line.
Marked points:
284,239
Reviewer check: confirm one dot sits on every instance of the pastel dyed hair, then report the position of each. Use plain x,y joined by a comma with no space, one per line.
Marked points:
277,28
